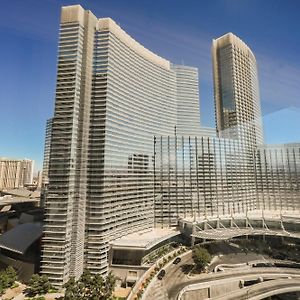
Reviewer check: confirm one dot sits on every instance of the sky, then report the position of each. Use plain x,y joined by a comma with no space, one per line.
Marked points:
180,31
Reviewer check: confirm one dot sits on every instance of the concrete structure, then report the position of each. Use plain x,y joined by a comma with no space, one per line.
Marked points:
177,284
131,249
224,227
236,90
15,173
112,96
231,288
130,254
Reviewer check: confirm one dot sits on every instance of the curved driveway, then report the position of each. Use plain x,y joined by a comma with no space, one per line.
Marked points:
175,280
264,290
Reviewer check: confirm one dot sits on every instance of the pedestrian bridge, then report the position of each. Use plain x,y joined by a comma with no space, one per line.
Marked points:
223,227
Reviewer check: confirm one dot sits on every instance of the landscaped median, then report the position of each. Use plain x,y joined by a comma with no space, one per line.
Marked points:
140,287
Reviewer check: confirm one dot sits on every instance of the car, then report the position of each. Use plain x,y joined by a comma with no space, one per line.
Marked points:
161,274
177,260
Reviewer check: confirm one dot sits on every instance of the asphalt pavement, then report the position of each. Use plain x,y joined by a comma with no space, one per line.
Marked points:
177,278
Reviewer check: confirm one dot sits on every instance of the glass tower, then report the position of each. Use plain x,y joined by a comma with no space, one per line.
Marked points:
236,91
112,96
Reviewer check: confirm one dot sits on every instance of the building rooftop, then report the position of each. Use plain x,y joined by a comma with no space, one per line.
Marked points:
145,239
21,192
20,238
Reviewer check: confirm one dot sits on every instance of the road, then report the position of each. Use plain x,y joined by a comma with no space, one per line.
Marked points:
236,258
174,276
173,292
263,290
175,279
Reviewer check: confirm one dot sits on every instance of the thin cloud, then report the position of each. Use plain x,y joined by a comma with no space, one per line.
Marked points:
279,81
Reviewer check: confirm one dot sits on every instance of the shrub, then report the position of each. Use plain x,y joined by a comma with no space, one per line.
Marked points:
90,286
7,279
38,285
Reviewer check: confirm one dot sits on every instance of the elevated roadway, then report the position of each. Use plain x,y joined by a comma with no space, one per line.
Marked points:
263,290
176,280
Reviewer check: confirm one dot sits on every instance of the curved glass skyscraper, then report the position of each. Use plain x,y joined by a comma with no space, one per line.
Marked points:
112,96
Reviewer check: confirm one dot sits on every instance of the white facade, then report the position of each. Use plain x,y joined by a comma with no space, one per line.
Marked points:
15,173
187,95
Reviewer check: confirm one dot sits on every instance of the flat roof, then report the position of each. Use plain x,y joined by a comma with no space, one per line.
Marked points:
144,239
21,192
15,200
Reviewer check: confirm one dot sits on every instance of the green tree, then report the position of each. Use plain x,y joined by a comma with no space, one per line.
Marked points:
110,283
201,257
90,287
72,290
38,285
11,275
7,279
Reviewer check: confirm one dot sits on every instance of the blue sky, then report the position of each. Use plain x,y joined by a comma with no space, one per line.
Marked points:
180,31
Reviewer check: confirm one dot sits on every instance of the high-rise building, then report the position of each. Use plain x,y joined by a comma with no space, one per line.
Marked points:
112,96
236,90
187,94
45,171
15,173
187,103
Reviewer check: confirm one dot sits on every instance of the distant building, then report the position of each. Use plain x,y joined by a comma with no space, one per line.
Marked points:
15,173
39,179
187,94
236,89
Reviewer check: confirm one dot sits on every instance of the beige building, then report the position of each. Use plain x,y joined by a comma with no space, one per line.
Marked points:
236,90
15,173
